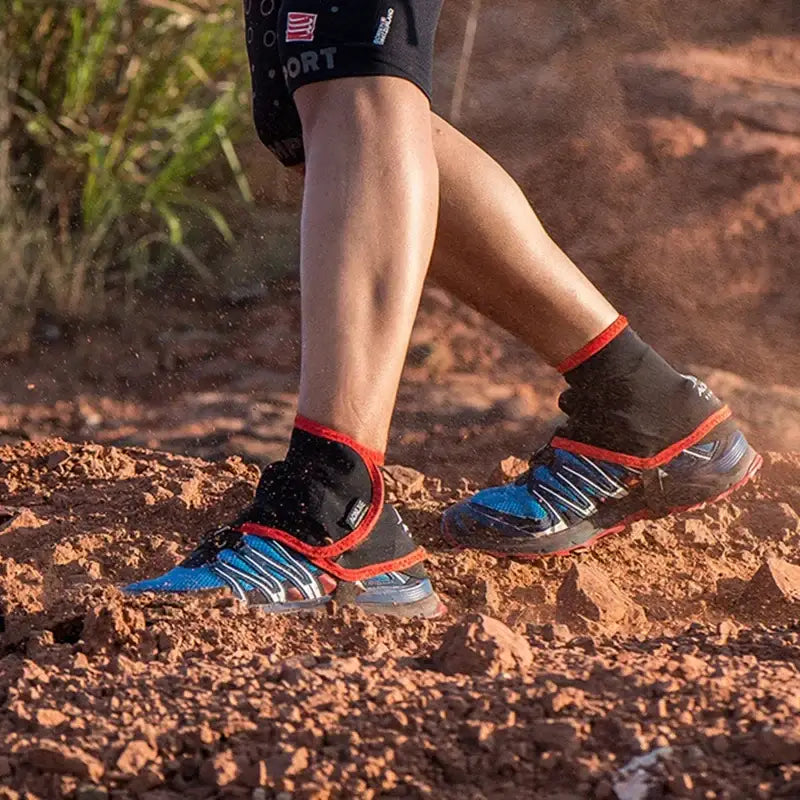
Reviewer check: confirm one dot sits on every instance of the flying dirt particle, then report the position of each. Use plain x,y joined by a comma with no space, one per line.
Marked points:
589,601
480,644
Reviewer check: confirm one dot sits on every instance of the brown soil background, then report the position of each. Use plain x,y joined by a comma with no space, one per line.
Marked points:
661,144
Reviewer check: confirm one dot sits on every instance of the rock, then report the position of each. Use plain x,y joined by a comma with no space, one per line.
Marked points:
775,584
14,519
51,756
287,764
555,632
588,599
56,457
49,718
692,667
480,644
698,533
90,791
136,755
555,734
111,625
774,746
402,482
672,137
220,770
771,520
508,470
489,596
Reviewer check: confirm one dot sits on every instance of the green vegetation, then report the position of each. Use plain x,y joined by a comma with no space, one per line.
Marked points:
109,112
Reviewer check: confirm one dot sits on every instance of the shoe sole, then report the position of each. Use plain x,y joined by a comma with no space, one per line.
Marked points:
429,607
752,469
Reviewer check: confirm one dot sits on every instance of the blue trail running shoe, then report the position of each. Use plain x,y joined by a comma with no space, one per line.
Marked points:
317,529
569,500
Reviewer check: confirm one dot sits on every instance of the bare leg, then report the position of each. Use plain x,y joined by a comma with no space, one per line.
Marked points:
369,217
493,253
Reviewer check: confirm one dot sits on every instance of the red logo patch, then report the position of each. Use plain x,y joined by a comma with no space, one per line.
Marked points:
300,27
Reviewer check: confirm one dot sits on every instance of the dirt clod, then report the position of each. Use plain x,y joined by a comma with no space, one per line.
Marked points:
774,588
773,746
480,644
52,756
588,600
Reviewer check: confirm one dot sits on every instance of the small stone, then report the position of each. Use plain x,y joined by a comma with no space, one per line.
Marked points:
80,662
90,791
585,643
692,667
551,734
770,520
56,457
220,770
507,470
774,746
136,755
556,632
490,597
481,644
50,756
402,483
726,630
287,764
698,533
776,584
260,793
50,718
588,598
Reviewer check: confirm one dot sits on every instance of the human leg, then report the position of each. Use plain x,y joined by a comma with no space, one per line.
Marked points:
640,440
319,523
493,254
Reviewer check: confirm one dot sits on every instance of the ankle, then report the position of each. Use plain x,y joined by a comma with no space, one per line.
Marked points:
625,398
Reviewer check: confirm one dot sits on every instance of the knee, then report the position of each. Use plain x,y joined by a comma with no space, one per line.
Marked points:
353,109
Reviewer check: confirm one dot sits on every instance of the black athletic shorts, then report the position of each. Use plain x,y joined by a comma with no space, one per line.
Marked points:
294,42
